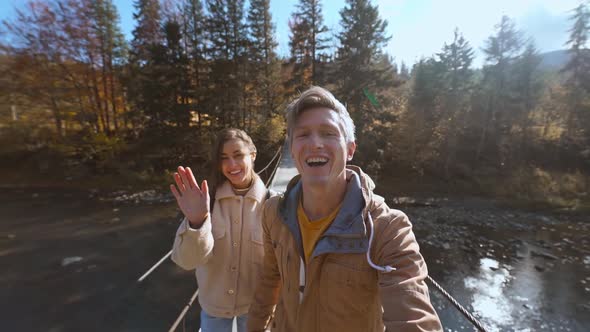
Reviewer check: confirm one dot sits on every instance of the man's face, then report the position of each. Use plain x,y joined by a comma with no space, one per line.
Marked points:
319,147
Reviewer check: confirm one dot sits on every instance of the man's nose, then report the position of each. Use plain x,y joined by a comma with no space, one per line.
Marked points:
316,141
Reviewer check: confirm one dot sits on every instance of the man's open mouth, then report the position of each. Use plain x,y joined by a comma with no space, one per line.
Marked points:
316,161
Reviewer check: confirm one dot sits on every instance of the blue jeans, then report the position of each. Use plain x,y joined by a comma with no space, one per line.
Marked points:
217,324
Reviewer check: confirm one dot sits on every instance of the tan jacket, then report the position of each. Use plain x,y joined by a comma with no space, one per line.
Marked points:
226,251
339,290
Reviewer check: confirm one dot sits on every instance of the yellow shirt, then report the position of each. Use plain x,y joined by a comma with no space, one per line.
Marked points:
312,230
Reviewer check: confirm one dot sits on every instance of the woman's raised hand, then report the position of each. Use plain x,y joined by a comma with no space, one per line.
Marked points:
192,200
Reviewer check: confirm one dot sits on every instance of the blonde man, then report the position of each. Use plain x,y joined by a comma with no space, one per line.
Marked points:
337,257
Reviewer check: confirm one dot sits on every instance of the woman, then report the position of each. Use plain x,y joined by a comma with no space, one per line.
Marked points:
223,240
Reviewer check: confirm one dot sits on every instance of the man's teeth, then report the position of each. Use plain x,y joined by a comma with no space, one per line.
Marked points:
317,160
234,172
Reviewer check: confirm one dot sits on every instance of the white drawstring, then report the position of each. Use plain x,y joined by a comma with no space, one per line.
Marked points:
386,268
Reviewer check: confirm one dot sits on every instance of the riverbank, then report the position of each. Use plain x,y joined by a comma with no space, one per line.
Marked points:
74,256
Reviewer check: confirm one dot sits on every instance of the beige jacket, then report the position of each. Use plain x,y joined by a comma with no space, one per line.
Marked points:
339,290
226,251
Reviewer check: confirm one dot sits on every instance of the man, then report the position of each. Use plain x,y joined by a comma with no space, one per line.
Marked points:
337,257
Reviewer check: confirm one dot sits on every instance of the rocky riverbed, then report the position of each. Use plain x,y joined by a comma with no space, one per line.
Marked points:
71,260
516,270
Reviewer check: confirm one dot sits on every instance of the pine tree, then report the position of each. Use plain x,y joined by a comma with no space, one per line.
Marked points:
361,41
578,68
193,26
177,74
148,31
404,72
501,49
112,52
457,58
307,43
424,99
227,40
579,62
146,54
264,65
455,90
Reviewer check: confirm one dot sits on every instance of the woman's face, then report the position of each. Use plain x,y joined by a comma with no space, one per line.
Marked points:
237,163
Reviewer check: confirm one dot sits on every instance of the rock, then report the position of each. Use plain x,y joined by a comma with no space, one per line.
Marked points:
545,219
467,249
526,306
494,268
544,255
446,246
71,260
11,236
146,196
539,268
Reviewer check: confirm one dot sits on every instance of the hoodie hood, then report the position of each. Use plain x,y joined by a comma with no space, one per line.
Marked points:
348,232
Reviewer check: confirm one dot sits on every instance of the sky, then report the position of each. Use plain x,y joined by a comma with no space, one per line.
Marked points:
419,28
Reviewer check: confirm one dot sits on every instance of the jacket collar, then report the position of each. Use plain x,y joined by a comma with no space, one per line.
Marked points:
347,233
257,192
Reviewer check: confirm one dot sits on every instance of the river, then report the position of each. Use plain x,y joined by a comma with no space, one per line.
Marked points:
70,260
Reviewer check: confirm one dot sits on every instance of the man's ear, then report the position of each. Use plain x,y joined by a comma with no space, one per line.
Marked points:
253,155
350,149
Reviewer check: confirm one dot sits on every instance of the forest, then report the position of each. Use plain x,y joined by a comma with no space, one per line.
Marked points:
82,105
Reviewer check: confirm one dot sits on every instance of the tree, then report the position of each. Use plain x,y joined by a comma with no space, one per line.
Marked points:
193,27
358,73
527,92
500,51
404,72
456,80
147,32
307,42
73,49
578,68
227,51
112,50
264,65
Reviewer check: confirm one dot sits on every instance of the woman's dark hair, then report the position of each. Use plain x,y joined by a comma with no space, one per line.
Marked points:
224,136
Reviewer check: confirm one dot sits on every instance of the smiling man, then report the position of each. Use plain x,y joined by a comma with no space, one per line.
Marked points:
337,258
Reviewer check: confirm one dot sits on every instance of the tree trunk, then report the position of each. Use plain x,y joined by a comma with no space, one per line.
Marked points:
57,117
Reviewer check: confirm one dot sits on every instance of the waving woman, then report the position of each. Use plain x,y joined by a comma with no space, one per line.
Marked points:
223,240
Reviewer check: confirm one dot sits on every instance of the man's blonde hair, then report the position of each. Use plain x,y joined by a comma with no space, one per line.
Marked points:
319,97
